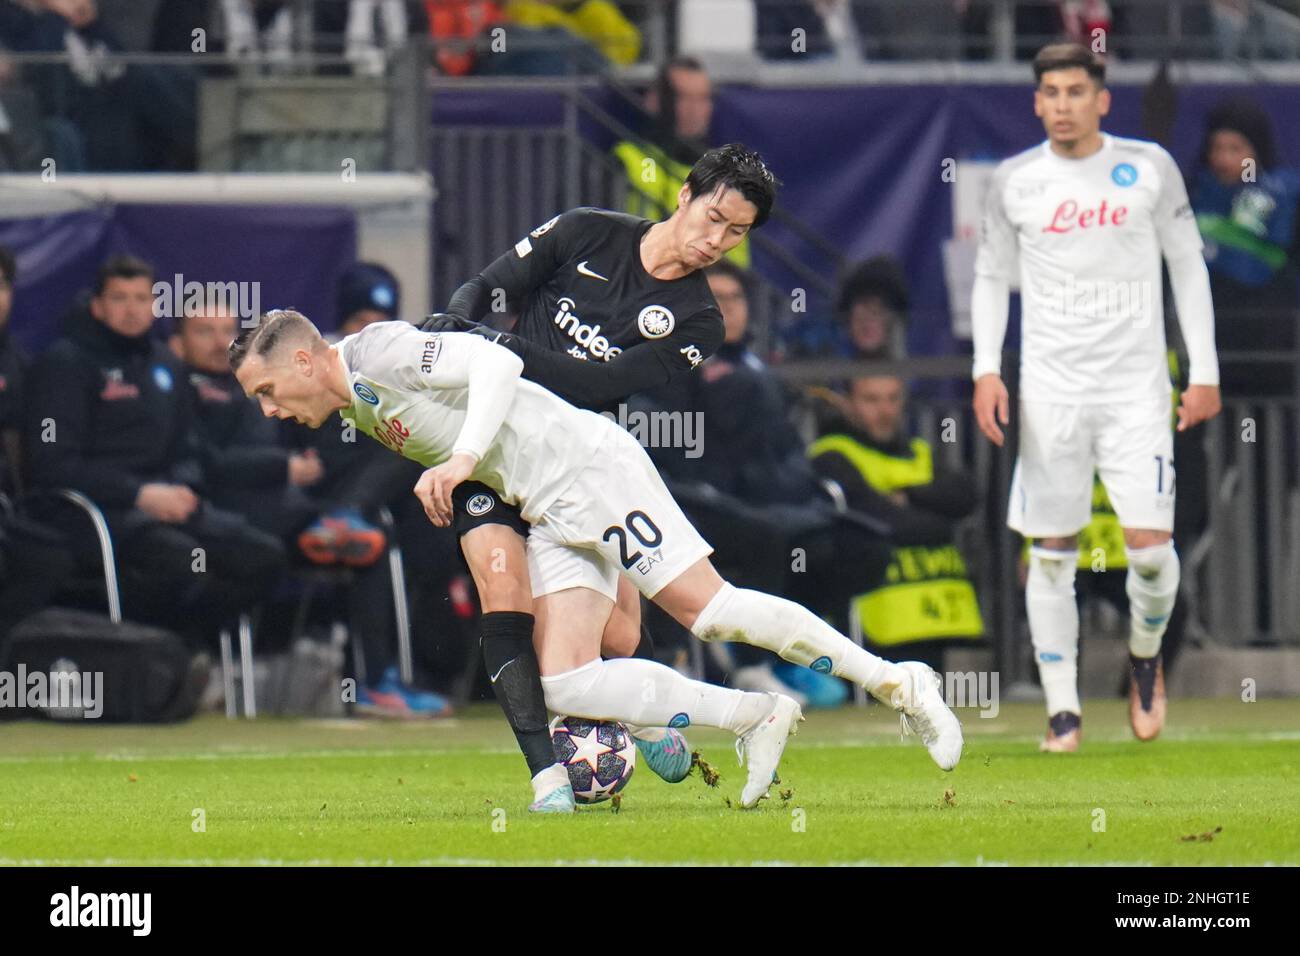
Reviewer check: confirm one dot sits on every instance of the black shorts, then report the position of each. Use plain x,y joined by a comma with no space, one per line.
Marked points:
474,504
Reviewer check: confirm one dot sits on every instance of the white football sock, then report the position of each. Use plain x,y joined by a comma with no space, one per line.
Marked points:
1152,587
649,694
552,778
1054,626
796,634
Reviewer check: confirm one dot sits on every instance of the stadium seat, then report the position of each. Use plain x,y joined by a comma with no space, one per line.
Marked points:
113,598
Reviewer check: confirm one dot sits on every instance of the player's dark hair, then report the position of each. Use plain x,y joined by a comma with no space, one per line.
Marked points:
735,167
1069,56
122,267
8,265
272,329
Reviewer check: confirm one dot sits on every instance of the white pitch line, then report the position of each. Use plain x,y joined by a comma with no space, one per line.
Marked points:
213,755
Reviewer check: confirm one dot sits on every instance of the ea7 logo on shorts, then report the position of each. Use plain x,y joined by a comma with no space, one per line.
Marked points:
479,504
655,321
366,394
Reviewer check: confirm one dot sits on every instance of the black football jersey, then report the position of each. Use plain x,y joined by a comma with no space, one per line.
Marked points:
582,292
590,296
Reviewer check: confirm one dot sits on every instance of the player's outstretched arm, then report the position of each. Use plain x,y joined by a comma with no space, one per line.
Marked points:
514,275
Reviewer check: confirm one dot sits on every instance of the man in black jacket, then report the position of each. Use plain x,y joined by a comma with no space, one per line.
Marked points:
33,559
926,600
108,415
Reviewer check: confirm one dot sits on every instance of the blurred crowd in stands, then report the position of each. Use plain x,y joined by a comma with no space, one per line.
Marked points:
72,100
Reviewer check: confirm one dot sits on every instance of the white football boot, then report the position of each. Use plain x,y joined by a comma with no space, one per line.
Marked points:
761,747
920,699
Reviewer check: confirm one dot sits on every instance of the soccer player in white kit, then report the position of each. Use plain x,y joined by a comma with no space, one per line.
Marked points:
597,509
1085,218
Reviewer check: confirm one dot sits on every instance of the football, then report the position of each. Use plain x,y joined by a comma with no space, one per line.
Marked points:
600,756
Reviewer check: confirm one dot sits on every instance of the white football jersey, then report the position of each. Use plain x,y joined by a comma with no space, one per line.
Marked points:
1085,238
410,392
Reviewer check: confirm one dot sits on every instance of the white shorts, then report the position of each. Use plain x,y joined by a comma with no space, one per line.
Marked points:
1130,445
616,518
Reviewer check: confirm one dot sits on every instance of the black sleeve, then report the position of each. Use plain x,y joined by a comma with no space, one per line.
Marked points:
185,452
14,369
249,466
15,24
517,273
61,390
642,367
950,494
232,463
910,526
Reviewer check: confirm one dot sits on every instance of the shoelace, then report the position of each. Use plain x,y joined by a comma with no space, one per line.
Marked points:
740,750
918,723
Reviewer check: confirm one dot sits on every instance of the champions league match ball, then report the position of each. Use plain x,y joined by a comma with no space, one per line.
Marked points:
599,755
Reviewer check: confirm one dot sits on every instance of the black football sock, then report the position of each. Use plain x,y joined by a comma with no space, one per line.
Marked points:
511,662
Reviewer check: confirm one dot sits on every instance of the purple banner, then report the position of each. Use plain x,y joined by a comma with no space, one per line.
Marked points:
291,253
862,165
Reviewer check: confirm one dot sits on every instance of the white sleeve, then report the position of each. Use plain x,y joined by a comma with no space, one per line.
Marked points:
995,266
1190,280
989,302
1174,220
414,360
491,372
999,248
1181,245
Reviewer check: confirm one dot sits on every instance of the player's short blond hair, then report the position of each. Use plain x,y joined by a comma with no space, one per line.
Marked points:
274,330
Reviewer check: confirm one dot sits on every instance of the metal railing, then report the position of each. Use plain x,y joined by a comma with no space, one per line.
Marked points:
496,183
1241,572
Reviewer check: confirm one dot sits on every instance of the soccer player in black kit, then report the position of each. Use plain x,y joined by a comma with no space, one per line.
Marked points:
612,305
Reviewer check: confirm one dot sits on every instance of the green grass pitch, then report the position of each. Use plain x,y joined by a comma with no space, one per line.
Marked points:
1218,788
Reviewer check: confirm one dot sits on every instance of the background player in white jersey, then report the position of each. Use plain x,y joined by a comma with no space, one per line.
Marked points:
1083,220
597,509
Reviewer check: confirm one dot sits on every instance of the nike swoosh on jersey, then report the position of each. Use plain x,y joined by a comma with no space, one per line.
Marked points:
582,268
503,667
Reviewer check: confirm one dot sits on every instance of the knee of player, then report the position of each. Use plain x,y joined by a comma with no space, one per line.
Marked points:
1152,560
1142,539
496,595
621,637
1051,569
